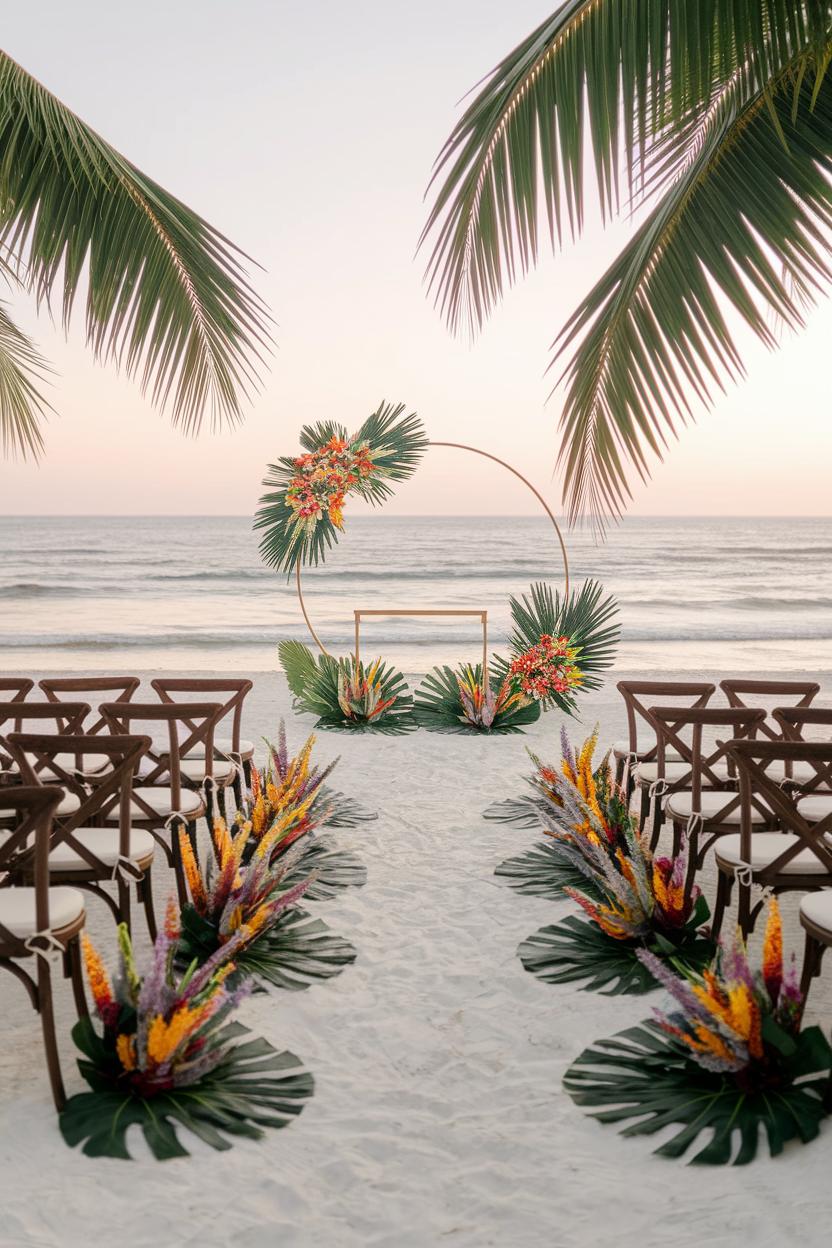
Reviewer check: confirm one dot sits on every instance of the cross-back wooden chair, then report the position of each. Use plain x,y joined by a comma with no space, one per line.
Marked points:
15,716
703,804
771,696
13,690
160,802
38,921
233,755
82,853
110,688
795,723
637,758
816,921
798,856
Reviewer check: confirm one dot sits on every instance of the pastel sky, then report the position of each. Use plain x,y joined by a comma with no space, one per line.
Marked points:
307,132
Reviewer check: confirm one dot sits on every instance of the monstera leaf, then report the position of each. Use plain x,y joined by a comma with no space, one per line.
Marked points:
544,872
643,1078
255,1087
523,812
333,869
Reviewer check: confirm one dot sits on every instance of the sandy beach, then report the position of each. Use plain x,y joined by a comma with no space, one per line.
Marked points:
439,1115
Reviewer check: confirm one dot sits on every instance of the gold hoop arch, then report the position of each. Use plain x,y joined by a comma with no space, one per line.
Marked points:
475,450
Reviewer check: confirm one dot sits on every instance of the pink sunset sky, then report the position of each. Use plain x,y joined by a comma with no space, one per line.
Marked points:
307,134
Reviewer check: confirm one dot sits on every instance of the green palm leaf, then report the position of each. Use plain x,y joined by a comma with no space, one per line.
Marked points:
21,405
318,693
641,1077
544,872
166,298
333,869
751,203
437,706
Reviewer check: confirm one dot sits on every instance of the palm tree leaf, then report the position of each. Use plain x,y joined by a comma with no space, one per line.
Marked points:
643,1077
604,74
751,201
318,694
22,407
437,706
298,663
166,294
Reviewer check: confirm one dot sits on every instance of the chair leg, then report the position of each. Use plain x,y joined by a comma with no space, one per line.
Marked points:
50,1044
144,895
75,971
723,900
658,823
745,919
644,809
124,903
812,957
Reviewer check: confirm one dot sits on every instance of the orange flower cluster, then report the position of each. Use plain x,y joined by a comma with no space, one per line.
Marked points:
323,479
547,668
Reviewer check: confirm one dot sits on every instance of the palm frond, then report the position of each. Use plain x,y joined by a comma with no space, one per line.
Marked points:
319,693
438,705
605,73
298,663
752,200
167,297
22,407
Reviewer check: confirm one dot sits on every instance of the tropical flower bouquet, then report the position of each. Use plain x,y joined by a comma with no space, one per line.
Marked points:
345,695
560,645
729,1059
164,1058
632,900
302,514
249,911
460,701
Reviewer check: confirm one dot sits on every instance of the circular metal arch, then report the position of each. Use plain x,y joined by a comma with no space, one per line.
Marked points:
474,450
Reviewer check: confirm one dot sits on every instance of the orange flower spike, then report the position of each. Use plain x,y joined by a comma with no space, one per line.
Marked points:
172,919
710,1042
126,1050
255,784
773,952
192,873
99,980
258,814
660,891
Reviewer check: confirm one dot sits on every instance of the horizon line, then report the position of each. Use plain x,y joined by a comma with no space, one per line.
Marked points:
415,515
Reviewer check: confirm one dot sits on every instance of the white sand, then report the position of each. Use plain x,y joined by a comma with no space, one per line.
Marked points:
439,1115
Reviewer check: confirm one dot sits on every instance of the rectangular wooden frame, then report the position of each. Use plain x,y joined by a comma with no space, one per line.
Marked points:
377,611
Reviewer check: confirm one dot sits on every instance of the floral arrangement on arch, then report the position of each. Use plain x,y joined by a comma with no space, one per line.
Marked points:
729,1059
166,1058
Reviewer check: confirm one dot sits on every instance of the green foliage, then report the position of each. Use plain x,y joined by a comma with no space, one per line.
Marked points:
523,812
584,616
438,704
544,872
166,296
644,1077
254,1087
718,113
319,691
333,869
397,443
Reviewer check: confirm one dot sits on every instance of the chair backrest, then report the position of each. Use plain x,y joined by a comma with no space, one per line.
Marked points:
770,695
65,689
754,760
163,765
98,788
14,715
31,810
639,695
15,688
797,724
684,732
237,689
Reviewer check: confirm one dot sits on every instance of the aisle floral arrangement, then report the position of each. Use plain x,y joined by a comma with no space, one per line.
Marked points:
632,899
460,701
302,513
249,912
729,1059
164,1058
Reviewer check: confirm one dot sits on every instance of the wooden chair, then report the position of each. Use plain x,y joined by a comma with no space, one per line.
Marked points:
796,857
66,689
39,921
794,722
772,696
703,804
160,802
637,759
68,719
82,853
816,921
13,689
232,755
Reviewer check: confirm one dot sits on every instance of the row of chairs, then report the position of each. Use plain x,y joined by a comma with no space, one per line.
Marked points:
89,790
749,779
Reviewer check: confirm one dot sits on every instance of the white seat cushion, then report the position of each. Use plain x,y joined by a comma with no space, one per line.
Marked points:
815,807
159,800
103,842
622,748
817,908
802,772
17,909
648,773
90,763
68,804
766,847
680,806
194,769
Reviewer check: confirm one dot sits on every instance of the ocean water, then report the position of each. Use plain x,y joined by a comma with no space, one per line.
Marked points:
192,594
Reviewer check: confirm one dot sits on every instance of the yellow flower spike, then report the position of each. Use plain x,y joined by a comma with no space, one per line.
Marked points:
126,1050
192,873
172,919
258,814
773,948
222,839
710,1042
